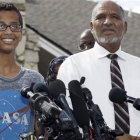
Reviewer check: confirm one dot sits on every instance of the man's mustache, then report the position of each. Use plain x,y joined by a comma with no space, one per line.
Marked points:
107,28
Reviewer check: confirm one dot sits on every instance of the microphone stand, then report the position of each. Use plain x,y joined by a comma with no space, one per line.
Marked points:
41,129
96,119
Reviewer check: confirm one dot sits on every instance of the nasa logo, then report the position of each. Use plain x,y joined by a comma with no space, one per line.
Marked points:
14,114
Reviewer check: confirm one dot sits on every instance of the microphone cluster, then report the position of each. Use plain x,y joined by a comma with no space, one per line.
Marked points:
84,122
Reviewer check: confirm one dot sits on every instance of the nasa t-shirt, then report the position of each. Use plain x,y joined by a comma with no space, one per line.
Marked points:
14,114
14,109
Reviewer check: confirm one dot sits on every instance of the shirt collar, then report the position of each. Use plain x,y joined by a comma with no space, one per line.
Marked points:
102,52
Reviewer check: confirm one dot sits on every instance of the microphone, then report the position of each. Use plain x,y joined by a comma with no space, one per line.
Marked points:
43,88
101,130
58,91
47,108
118,95
26,92
40,103
79,107
40,87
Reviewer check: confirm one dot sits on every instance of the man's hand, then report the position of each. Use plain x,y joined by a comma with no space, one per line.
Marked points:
127,137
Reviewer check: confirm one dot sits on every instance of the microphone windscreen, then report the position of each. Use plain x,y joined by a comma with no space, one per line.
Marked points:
32,84
56,88
40,87
117,95
78,102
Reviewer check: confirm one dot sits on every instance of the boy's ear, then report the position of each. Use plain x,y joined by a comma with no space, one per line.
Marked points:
125,27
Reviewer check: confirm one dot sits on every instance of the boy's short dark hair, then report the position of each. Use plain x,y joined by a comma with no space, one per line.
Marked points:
11,7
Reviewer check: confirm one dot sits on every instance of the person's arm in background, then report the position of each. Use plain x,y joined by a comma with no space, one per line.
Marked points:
37,131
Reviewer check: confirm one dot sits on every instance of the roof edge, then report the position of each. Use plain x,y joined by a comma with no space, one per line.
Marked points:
51,41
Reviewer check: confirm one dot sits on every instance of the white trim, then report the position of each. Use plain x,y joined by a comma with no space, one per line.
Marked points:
51,48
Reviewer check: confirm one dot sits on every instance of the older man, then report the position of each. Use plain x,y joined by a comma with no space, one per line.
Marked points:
106,66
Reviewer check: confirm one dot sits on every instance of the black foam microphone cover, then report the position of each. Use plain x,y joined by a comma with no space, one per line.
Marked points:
117,95
78,102
32,84
56,88
40,87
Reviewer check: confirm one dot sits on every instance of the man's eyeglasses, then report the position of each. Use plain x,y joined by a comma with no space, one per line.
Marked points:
13,27
86,45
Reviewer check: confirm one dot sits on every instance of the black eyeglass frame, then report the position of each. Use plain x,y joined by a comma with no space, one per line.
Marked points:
10,26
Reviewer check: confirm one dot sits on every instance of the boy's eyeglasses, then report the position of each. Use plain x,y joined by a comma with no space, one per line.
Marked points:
13,27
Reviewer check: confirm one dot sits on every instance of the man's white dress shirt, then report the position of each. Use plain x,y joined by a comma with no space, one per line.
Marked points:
95,67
